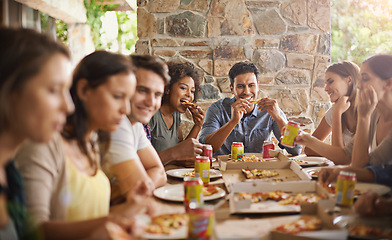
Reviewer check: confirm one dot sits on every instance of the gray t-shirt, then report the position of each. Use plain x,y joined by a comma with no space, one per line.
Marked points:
347,135
162,137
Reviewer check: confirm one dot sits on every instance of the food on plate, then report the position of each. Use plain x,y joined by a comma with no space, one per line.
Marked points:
167,223
259,174
332,189
307,223
367,231
282,197
255,101
313,172
300,161
252,158
116,232
189,174
208,190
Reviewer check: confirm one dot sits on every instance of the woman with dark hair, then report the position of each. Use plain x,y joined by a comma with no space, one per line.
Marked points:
66,190
341,119
35,76
180,94
369,153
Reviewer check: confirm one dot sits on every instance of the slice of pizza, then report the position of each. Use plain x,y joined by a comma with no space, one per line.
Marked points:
255,101
259,174
209,190
307,223
189,174
188,103
167,223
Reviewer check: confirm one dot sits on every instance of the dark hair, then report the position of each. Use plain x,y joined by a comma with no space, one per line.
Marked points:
241,68
23,52
346,69
152,63
96,68
178,71
381,65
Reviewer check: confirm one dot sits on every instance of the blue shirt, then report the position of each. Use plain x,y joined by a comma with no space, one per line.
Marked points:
382,174
252,130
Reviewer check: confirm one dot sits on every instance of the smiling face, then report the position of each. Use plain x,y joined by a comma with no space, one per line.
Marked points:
108,103
182,91
369,78
336,86
41,107
148,96
245,87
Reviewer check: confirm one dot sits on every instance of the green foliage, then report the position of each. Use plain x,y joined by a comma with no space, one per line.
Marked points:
360,28
94,12
62,31
127,31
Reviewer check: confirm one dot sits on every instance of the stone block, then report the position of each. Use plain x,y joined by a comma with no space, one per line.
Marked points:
222,67
164,52
201,43
142,47
318,111
292,102
303,121
269,61
186,24
199,54
147,25
262,4
319,15
319,94
320,65
293,77
209,92
267,43
229,17
265,80
268,22
304,61
295,11
301,43
163,6
166,42
229,52
324,46
195,5
160,25
224,85
206,65
209,79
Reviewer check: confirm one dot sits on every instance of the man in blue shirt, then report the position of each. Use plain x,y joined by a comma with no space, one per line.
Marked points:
238,120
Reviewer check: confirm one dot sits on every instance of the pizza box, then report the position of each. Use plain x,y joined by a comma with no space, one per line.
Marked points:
329,230
276,154
287,170
240,206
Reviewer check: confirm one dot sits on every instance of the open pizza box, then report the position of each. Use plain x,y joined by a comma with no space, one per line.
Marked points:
276,154
242,206
286,170
328,230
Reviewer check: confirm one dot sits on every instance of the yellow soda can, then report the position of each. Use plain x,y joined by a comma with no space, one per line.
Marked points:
202,168
237,151
345,187
290,132
201,223
193,192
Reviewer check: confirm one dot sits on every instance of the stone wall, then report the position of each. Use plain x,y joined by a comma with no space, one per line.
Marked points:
289,40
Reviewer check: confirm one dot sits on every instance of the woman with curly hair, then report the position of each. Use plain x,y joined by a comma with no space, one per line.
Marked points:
180,94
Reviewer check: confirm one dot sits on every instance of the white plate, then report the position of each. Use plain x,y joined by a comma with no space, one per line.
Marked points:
378,188
175,193
305,161
180,233
178,173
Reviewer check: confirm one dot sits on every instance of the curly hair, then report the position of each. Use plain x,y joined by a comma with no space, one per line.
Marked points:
241,68
178,71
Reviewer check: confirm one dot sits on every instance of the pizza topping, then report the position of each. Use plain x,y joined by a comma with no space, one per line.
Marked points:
252,158
167,223
259,174
363,230
189,104
280,196
255,101
302,224
209,190
189,174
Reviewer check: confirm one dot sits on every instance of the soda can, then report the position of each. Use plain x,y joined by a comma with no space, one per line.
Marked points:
267,146
207,152
201,222
345,187
202,168
237,151
193,192
290,132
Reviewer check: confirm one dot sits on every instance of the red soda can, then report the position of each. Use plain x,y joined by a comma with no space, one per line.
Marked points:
207,152
193,192
201,222
267,146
